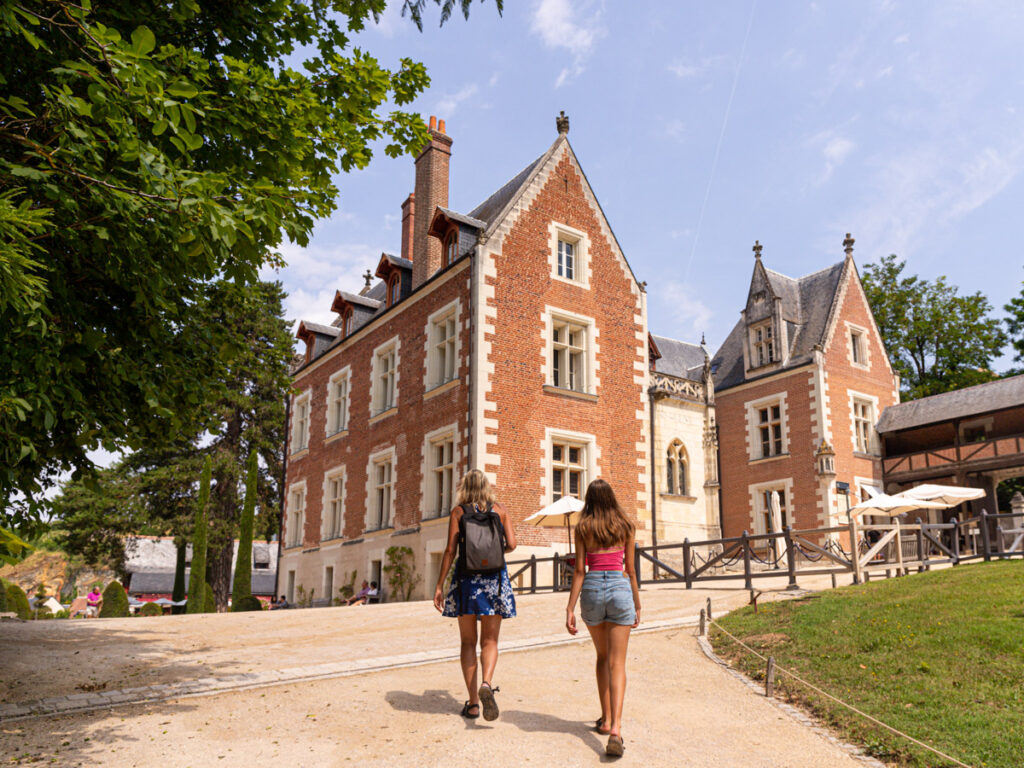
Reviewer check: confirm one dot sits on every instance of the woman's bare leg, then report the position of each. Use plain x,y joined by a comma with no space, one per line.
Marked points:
490,626
618,643
467,655
599,634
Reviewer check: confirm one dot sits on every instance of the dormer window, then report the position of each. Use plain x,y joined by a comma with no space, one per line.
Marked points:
346,322
394,286
451,248
762,345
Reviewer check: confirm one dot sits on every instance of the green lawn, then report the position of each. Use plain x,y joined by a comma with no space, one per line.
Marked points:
939,656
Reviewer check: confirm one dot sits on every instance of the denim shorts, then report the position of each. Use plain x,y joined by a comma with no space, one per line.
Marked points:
607,596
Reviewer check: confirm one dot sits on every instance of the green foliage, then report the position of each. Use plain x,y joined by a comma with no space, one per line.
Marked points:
197,578
146,149
401,572
3,596
242,586
1015,325
937,655
151,609
937,340
349,588
17,601
178,591
115,602
12,548
209,602
247,603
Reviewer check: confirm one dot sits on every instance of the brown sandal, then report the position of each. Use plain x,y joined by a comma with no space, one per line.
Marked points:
469,715
615,746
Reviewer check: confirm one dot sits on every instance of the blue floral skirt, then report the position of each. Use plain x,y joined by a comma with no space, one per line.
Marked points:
480,595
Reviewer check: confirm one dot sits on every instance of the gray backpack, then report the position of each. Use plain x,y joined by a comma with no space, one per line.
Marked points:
481,541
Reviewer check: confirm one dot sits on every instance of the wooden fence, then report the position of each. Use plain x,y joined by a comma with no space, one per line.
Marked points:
888,548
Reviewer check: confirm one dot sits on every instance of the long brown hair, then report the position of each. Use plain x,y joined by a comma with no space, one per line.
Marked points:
474,488
602,523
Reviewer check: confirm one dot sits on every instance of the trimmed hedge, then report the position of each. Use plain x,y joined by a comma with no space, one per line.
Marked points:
3,596
247,603
151,609
17,601
115,601
209,601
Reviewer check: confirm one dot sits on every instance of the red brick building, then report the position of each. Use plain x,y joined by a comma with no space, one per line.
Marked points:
804,367
512,339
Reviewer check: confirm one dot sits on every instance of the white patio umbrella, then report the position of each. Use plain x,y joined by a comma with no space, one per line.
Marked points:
775,518
565,511
892,505
944,495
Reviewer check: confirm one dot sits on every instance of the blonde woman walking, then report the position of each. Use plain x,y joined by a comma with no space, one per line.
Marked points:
609,600
479,534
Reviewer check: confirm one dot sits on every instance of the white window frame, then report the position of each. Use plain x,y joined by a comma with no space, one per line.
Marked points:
332,506
859,398
581,256
295,514
377,518
591,459
764,348
302,410
439,342
759,504
433,474
379,403
337,412
588,357
752,409
861,334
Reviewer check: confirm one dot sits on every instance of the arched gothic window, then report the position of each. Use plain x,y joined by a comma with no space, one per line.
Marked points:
676,469
393,288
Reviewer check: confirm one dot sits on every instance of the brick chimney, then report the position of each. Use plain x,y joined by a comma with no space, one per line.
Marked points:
408,217
431,191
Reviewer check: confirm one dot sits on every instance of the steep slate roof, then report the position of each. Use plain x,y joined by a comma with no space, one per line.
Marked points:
958,404
490,208
807,304
157,582
679,358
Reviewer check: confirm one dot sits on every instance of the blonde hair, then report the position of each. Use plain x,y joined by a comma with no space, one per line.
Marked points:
602,523
474,488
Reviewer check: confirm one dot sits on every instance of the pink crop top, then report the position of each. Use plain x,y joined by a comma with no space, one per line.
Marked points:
605,561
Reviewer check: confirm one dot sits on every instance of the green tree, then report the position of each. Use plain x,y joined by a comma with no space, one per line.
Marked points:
1015,326
115,602
937,340
242,586
197,576
178,592
147,148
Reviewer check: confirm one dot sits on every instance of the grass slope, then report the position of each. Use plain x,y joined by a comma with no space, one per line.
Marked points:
939,656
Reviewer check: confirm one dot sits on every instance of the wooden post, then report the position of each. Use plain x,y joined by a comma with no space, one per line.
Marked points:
533,574
954,543
636,564
703,625
985,538
920,547
748,580
899,548
790,557
686,563
554,570
769,677
833,580
855,550
999,542
709,609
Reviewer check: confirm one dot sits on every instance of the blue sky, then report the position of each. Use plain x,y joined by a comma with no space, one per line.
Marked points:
705,126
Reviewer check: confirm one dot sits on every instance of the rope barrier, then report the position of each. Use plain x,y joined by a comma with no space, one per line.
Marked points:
875,720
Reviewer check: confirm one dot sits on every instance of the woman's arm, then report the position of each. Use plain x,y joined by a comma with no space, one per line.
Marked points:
510,531
577,584
449,556
630,566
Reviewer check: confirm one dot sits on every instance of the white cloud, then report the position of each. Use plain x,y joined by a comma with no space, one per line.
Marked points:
559,25
450,101
902,39
834,148
690,70
675,130
689,316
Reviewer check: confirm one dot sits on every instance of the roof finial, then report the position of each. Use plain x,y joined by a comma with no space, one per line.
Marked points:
848,244
757,249
702,342
368,277
562,123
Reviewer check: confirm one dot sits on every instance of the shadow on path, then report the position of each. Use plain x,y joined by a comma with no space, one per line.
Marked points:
431,702
536,722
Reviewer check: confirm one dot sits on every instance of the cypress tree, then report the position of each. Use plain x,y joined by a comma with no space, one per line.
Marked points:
197,579
178,593
243,563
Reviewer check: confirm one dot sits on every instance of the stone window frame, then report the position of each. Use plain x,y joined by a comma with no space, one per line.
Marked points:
373,515
428,489
431,378
592,333
873,447
300,437
581,266
751,410
295,516
860,332
376,406
338,472
592,454
759,503
755,346
677,469
344,374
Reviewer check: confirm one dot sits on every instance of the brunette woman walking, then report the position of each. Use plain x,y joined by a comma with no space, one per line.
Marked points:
477,593
609,599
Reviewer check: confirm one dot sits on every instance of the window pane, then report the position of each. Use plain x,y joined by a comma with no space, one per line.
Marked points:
574,483
574,455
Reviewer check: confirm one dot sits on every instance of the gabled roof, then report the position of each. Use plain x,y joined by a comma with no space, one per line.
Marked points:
489,210
389,263
958,404
469,221
306,327
807,305
679,358
343,297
